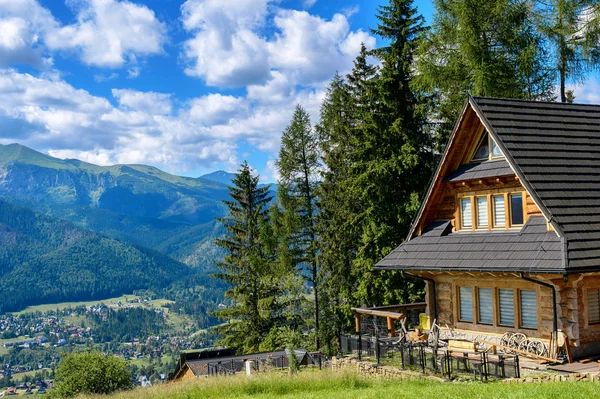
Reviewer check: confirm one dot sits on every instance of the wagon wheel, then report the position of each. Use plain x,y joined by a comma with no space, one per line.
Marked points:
536,347
523,345
504,341
515,340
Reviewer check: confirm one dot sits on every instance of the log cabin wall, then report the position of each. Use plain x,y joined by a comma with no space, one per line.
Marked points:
448,283
588,332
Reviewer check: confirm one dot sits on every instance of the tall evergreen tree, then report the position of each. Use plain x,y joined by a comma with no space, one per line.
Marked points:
247,266
391,161
573,29
338,235
298,165
485,48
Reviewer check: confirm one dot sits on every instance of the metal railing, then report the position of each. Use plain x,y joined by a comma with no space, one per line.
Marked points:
231,367
420,357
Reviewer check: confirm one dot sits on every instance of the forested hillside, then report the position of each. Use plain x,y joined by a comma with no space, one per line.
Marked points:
135,203
45,260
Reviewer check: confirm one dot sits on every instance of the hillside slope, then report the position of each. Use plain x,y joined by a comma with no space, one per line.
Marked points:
45,260
136,203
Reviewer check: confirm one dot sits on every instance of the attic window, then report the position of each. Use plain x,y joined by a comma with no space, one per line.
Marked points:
487,149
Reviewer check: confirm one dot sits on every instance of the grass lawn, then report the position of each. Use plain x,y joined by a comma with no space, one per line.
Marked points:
348,385
64,305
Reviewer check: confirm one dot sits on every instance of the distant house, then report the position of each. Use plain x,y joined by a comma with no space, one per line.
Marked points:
203,363
508,237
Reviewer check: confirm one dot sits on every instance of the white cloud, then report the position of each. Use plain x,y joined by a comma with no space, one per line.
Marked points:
281,57
147,102
225,49
308,3
588,92
230,46
49,114
217,109
107,33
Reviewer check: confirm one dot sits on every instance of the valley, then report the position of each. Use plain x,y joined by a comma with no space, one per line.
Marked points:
116,258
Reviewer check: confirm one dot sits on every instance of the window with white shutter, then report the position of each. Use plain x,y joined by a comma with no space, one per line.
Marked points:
593,304
528,308
506,302
466,213
485,306
466,304
482,213
499,211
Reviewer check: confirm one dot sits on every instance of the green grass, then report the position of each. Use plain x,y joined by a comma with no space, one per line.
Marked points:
63,305
348,385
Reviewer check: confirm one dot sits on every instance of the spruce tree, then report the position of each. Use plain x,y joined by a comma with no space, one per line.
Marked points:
483,48
298,165
254,288
392,158
338,235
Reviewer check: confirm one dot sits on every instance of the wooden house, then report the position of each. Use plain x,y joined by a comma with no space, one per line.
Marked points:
508,235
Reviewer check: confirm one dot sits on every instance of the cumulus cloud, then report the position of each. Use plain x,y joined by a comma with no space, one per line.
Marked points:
106,32
147,102
225,49
278,57
230,46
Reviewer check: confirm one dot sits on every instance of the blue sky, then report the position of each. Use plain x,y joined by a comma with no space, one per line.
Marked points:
189,86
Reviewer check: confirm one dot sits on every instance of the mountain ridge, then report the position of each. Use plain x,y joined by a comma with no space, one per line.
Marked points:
137,203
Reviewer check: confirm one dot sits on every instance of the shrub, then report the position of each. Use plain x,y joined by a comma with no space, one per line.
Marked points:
90,373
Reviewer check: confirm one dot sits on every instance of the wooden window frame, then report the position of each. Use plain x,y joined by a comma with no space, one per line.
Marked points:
460,215
516,287
473,315
508,202
587,309
479,322
491,155
537,313
489,194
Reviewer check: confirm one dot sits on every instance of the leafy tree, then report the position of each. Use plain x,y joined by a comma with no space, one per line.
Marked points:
298,165
489,48
90,373
246,267
573,29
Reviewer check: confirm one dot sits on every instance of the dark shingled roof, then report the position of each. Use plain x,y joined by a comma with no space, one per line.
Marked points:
555,149
481,170
531,248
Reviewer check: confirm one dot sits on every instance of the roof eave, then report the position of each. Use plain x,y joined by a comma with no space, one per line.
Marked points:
471,269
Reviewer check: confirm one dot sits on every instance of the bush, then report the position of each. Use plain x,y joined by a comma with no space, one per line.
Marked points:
90,373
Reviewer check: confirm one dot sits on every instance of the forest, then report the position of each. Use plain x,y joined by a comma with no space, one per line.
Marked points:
352,181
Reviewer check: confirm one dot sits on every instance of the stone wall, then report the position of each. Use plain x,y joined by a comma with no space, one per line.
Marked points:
370,370
572,377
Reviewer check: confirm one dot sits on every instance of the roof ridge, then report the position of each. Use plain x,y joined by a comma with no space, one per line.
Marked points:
522,100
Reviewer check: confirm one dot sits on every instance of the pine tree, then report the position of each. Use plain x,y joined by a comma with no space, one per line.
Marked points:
298,165
247,266
338,235
392,160
489,48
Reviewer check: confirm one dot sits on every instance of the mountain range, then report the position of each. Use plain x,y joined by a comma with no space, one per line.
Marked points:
126,218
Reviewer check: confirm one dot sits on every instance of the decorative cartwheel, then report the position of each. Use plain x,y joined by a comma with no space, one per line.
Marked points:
521,342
